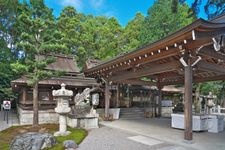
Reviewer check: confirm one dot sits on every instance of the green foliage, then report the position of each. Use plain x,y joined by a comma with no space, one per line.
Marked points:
161,21
39,36
88,36
6,74
131,35
76,134
216,87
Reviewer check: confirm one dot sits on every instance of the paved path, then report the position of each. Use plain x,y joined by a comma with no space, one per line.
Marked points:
106,138
13,120
161,129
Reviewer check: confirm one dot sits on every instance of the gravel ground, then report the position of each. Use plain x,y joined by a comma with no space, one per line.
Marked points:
106,138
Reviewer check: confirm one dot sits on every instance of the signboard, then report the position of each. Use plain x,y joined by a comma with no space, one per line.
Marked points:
7,104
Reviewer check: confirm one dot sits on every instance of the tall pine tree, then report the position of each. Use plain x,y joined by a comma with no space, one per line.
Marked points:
38,37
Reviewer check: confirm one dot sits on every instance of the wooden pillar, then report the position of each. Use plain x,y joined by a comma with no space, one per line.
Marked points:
50,95
159,100
128,95
141,94
24,94
107,99
188,77
117,96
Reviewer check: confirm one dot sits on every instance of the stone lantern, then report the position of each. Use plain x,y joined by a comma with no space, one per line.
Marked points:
210,102
62,96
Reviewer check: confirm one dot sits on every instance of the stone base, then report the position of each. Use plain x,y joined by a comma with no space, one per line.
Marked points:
86,123
58,133
45,116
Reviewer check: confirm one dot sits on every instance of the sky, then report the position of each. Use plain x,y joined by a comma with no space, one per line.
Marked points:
123,10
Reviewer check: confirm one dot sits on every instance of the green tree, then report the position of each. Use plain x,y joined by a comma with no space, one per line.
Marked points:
212,8
69,23
8,13
89,36
131,34
161,20
106,35
38,37
6,74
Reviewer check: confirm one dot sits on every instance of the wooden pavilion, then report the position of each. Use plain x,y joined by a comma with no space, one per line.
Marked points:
194,54
72,77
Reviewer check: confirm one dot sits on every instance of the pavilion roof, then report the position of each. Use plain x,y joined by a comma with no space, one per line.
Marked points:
160,61
63,63
71,81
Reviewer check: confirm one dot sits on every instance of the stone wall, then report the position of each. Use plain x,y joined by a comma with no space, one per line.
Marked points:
45,116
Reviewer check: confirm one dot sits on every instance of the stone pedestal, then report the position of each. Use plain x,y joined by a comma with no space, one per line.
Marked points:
215,123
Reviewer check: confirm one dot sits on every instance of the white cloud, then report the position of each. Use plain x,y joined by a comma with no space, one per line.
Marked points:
96,4
75,3
110,14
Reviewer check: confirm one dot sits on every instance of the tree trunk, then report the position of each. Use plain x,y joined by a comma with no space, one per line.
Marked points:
35,105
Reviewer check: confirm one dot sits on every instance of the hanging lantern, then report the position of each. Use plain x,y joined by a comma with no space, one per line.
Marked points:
95,99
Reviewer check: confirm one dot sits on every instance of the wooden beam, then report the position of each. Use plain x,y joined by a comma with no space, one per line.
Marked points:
209,34
212,67
143,60
138,82
24,94
150,70
193,45
209,51
188,101
214,78
196,80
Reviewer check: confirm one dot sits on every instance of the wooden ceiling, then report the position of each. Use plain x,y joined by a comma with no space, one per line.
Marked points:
159,62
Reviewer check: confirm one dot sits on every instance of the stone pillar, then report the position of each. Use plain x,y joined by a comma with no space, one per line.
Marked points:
62,124
188,77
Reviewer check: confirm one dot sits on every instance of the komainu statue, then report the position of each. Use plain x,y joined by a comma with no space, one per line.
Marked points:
83,98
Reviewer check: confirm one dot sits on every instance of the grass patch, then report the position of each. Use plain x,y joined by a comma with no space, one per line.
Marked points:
6,136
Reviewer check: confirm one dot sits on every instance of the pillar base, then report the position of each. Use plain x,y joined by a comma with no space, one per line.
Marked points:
58,133
188,136
188,141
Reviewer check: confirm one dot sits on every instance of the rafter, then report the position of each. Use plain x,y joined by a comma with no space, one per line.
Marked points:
150,70
196,80
210,52
212,67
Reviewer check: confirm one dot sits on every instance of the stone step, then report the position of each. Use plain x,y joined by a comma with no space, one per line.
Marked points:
131,113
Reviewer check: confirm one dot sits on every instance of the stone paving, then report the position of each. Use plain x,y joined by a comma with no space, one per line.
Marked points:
160,129
106,138
139,134
13,120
